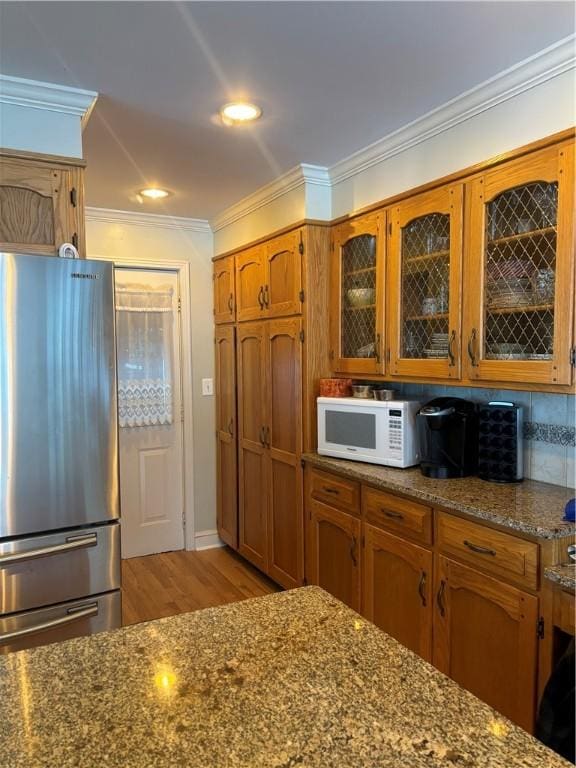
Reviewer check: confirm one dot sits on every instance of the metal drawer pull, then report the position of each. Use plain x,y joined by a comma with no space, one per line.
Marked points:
266,296
393,515
471,353
74,614
231,302
327,489
421,588
440,598
478,549
72,542
451,354
263,436
261,297
231,428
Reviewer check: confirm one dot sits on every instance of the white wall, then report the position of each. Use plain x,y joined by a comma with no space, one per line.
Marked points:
43,117
122,236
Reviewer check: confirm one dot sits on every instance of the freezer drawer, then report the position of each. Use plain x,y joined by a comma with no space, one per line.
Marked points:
60,622
53,568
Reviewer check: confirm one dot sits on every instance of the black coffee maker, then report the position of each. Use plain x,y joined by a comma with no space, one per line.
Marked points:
448,437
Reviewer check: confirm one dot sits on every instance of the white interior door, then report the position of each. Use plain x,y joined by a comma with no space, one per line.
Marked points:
149,411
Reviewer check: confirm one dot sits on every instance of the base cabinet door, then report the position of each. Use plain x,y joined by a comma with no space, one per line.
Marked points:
398,589
283,442
333,552
252,535
226,432
485,638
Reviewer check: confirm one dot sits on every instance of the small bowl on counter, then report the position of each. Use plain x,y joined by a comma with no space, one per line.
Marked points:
383,394
362,391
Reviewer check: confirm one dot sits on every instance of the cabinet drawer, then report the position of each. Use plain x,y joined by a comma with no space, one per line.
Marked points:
493,551
398,515
334,490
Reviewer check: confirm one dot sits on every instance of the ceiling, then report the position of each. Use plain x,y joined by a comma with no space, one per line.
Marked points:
330,77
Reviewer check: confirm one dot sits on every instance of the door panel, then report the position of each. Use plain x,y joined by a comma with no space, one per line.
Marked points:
224,293
398,589
520,270
226,446
252,414
333,553
485,639
424,259
284,438
250,284
283,281
149,386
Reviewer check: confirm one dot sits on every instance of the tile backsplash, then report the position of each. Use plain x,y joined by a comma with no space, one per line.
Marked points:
549,427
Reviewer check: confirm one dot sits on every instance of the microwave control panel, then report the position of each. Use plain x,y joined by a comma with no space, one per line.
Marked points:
395,429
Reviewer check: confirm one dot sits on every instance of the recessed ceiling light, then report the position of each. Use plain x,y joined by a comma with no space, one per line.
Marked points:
239,112
154,193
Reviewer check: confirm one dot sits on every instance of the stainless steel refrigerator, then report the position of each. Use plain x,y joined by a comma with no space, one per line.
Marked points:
59,509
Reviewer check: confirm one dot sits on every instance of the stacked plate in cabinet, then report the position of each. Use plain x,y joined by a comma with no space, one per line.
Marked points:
438,345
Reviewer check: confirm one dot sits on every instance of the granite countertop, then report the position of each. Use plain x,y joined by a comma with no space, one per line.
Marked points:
565,575
528,507
290,679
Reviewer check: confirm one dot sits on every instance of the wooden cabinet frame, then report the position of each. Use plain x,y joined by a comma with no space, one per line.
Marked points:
445,200
371,224
226,436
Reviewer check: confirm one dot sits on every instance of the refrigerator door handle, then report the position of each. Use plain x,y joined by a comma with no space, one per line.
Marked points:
74,614
72,542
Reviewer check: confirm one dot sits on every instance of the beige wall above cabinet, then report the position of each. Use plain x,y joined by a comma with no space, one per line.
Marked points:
41,204
357,302
424,284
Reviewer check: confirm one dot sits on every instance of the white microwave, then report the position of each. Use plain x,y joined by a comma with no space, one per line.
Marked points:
376,431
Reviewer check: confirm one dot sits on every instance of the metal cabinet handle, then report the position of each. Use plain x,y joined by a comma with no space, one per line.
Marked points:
327,489
422,588
263,437
353,544
266,296
451,354
440,598
377,349
72,543
393,515
480,550
231,427
261,297
231,302
471,342
267,438
74,614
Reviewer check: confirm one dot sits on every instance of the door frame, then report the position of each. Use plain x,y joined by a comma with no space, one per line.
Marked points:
182,269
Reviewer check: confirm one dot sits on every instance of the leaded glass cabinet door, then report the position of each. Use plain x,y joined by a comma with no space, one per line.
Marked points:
520,280
357,295
424,285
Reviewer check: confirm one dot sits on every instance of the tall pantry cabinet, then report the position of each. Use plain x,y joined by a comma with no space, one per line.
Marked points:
266,398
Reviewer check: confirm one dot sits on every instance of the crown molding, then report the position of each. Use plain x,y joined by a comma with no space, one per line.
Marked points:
47,96
141,219
314,175
543,66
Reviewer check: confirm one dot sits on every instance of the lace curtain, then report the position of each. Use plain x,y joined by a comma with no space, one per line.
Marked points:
144,332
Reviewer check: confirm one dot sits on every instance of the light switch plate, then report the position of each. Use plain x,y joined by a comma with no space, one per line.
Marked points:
207,387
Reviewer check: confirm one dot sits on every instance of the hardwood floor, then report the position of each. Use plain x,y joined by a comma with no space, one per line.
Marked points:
176,582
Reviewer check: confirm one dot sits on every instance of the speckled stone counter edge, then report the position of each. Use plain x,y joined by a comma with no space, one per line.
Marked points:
564,575
342,467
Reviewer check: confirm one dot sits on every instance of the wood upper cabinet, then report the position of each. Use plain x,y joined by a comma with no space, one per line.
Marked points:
224,290
424,284
357,295
519,276
398,589
252,421
250,271
41,205
226,434
283,275
333,552
284,446
485,638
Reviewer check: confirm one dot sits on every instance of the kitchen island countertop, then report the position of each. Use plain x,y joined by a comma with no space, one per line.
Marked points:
564,575
528,507
290,679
